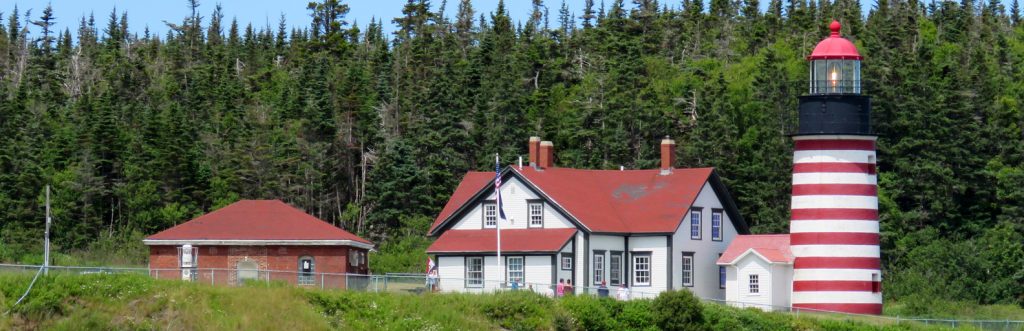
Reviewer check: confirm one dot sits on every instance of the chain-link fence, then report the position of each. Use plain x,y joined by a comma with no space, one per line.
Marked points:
420,283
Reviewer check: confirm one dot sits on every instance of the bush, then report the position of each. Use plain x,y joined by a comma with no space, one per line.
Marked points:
590,313
518,310
678,310
637,315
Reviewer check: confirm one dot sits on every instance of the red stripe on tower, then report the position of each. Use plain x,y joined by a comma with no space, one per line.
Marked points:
833,238
836,285
866,168
825,214
834,144
855,308
838,263
835,189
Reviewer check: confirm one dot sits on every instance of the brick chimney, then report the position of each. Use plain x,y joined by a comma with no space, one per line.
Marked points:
534,144
668,155
546,159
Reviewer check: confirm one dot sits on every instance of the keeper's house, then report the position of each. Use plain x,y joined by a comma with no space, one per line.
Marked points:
653,230
265,240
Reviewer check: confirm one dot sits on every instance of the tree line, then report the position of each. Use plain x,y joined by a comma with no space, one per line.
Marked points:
371,131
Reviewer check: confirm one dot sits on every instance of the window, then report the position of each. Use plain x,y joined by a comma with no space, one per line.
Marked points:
306,269
475,271
615,266
695,224
515,269
641,269
687,274
716,224
753,285
536,214
355,257
721,274
598,267
247,270
566,261
490,215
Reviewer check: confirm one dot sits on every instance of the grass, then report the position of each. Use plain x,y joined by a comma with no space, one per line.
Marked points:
956,310
136,302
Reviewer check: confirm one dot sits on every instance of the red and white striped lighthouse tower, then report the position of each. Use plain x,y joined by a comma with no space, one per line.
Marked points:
834,224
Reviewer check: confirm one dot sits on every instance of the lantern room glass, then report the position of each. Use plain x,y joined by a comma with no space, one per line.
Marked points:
835,76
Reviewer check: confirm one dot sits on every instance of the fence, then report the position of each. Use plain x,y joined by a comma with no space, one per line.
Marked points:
418,283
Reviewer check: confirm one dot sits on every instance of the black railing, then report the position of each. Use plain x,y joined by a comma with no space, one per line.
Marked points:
841,86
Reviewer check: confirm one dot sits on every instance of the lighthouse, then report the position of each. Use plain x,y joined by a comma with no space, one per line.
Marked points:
834,221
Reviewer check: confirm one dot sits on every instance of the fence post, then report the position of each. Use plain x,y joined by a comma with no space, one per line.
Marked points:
321,280
213,275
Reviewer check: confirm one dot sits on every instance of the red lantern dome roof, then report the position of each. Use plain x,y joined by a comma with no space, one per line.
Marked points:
835,47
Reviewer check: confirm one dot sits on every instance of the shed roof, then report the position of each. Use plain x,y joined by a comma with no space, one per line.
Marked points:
772,247
255,221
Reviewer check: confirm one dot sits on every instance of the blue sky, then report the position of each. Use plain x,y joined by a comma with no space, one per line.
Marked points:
153,13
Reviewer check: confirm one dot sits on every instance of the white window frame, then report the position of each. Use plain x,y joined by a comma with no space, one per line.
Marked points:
474,278
489,212
695,223
515,269
566,261
307,278
642,273
754,284
536,210
598,267
716,225
687,269
615,269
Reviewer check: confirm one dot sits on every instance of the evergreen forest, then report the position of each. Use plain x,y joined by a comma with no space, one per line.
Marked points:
372,131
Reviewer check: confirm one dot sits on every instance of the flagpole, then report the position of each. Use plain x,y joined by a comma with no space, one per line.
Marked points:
497,225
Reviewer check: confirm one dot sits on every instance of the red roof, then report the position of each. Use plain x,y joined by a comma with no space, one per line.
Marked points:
512,240
256,220
472,183
835,47
631,201
774,247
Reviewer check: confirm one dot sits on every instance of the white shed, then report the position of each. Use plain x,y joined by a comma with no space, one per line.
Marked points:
759,271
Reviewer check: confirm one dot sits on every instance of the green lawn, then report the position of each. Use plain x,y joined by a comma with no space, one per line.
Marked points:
118,302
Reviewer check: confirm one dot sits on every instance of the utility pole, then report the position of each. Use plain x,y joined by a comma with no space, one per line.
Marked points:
46,249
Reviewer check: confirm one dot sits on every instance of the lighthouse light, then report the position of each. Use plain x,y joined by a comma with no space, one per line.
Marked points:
834,78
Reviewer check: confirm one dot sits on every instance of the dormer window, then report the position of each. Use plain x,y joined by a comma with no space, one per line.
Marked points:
536,215
490,215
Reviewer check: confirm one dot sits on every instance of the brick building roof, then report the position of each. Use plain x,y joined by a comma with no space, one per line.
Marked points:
267,221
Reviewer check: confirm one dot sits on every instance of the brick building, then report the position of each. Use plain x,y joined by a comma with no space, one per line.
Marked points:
260,240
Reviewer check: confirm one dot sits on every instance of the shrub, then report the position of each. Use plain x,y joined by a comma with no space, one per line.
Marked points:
678,310
636,315
591,313
518,310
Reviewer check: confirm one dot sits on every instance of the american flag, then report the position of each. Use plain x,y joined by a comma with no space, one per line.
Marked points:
497,185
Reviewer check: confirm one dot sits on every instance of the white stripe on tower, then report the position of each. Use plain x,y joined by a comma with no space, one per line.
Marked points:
834,226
